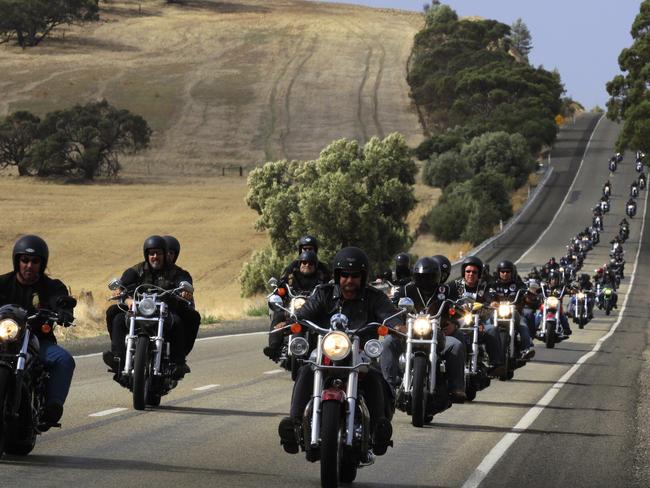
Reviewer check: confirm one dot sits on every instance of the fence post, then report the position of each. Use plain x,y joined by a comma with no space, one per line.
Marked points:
223,171
241,171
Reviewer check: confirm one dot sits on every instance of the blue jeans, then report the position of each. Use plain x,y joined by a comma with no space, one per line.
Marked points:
60,365
564,321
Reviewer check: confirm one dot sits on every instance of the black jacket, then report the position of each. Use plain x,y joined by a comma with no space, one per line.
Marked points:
322,272
371,306
167,278
43,294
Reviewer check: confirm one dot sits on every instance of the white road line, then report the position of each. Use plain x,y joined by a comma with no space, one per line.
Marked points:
507,440
575,178
274,371
111,411
206,387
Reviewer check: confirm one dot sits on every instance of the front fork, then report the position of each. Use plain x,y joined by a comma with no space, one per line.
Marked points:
159,339
475,346
20,372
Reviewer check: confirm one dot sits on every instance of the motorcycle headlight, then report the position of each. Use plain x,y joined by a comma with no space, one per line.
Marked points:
299,346
297,303
9,330
468,319
422,326
552,302
336,345
580,296
147,307
607,291
373,348
504,310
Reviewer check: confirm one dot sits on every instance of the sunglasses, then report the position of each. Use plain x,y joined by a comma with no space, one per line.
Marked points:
471,271
307,263
154,252
28,259
353,275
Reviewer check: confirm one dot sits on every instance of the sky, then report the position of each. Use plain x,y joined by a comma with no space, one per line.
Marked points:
581,38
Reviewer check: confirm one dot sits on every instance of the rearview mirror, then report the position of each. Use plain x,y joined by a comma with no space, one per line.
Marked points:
114,284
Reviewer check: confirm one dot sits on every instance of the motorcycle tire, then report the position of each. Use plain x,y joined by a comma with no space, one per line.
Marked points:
505,340
140,373
330,444
153,399
470,391
5,377
419,391
295,366
19,443
608,310
550,337
581,322
348,469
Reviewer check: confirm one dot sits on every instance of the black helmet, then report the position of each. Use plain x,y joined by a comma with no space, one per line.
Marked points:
472,261
173,245
307,241
31,245
402,260
426,273
509,265
445,266
309,256
351,259
154,242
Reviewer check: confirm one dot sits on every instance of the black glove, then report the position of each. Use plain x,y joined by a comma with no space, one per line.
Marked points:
65,318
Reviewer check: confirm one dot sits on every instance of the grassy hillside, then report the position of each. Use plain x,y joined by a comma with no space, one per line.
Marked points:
227,82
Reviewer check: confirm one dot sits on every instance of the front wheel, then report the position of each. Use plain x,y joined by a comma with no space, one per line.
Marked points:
295,366
140,373
419,391
550,335
330,444
5,376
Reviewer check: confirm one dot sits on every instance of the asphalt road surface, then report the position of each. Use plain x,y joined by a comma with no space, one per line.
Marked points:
555,424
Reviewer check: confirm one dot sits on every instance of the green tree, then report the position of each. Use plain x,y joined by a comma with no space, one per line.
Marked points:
348,196
18,135
446,168
629,93
28,22
520,38
85,141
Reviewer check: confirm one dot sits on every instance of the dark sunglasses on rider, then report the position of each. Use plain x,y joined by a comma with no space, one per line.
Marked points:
155,252
308,263
30,259
347,274
471,271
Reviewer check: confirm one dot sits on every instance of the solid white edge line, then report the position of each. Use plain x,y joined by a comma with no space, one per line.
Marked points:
201,339
497,452
575,178
274,371
110,411
205,387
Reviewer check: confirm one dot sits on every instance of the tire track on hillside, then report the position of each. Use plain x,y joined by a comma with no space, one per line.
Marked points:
270,130
364,79
284,134
375,91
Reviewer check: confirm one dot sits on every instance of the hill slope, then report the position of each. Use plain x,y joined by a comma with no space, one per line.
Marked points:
228,82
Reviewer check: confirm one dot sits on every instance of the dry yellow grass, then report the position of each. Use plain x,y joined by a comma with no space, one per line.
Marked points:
236,82
96,231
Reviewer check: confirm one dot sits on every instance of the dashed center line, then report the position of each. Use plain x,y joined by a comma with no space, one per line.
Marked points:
205,387
111,411
274,371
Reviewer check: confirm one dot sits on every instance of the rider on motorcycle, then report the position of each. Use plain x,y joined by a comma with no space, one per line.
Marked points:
427,294
554,287
30,288
302,281
154,270
402,273
583,284
472,285
505,287
351,295
307,243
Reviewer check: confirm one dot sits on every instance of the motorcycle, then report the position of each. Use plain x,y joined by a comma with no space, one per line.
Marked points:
423,392
294,301
634,191
630,209
606,298
476,367
607,191
604,206
23,376
581,308
336,423
624,232
148,368
598,223
504,319
639,165
551,331
612,165
642,181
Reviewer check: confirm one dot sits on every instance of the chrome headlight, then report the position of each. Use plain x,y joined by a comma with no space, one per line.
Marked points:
468,319
147,307
552,302
336,345
580,295
373,348
9,330
422,326
297,303
504,310
299,346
